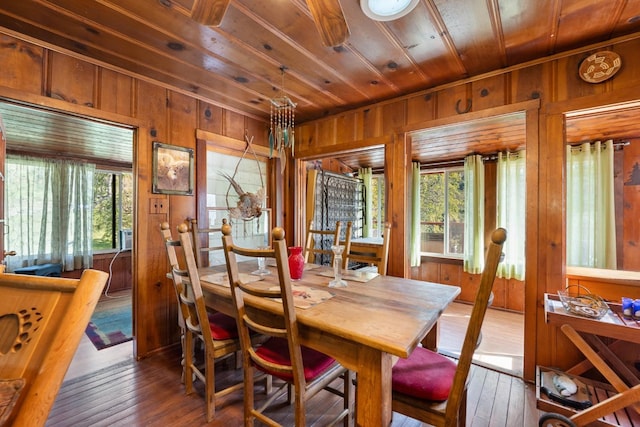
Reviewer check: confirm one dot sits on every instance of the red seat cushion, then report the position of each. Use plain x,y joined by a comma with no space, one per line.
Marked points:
276,350
222,327
424,374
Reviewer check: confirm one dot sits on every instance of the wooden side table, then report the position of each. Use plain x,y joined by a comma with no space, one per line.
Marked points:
617,404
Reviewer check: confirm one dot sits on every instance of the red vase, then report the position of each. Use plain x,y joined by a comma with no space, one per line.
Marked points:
296,262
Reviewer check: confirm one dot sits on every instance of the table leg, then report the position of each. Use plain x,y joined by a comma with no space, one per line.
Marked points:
373,395
430,341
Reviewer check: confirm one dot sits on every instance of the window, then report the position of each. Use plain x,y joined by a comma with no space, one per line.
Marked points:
442,212
249,173
47,213
591,205
112,209
377,205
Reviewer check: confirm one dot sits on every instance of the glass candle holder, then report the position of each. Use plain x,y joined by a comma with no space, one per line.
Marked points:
636,309
627,307
337,282
262,268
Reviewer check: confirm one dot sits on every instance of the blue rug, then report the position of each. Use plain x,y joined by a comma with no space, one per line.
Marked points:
110,327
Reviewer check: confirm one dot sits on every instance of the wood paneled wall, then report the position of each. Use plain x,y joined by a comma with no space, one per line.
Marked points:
55,80
120,269
545,90
508,293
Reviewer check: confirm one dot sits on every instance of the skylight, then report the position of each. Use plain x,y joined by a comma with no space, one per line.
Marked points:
387,10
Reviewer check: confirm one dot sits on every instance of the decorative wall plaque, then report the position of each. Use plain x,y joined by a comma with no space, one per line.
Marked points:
600,66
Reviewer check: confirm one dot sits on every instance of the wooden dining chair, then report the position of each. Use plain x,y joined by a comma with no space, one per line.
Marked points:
201,238
319,242
217,332
377,256
282,355
430,387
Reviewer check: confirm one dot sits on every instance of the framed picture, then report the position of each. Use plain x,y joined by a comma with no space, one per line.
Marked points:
172,169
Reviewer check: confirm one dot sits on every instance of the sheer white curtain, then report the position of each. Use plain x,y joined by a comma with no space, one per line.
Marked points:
414,250
511,198
365,174
473,214
49,212
591,234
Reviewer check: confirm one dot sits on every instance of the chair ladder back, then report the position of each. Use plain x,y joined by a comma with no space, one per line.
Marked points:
384,253
178,283
347,245
483,298
294,372
289,330
201,241
315,237
192,296
378,256
170,243
194,321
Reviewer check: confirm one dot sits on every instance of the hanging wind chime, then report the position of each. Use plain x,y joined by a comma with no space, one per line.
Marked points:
282,130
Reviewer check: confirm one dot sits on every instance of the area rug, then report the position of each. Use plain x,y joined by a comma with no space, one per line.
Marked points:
110,327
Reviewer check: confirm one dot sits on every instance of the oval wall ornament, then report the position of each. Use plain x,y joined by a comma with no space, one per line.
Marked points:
600,66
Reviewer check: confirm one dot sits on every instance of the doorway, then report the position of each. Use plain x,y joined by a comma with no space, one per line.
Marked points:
34,136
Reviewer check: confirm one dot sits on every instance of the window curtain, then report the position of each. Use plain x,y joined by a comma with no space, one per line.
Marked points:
511,198
591,234
473,214
414,252
49,212
365,174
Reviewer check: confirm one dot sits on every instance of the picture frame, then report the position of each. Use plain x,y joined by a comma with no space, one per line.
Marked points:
173,169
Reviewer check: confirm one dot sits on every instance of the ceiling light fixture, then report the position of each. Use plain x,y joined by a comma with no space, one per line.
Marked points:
282,130
387,10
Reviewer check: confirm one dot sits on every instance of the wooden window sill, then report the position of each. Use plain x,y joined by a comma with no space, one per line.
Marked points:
621,277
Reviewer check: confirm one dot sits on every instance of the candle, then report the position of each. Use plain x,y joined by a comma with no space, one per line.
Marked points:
636,309
627,307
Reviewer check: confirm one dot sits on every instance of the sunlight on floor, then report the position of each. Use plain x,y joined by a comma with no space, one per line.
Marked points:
499,361
502,344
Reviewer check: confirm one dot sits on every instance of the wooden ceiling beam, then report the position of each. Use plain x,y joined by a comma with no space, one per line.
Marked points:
330,21
209,12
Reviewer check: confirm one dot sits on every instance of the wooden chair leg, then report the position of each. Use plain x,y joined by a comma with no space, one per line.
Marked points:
238,357
210,387
291,395
268,384
188,362
349,391
182,356
462,414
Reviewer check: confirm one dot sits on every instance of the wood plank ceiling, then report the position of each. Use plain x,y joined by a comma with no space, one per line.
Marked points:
237,64
41,132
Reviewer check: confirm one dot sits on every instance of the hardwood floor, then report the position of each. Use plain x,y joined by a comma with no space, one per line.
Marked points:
502,345
108,388
87,358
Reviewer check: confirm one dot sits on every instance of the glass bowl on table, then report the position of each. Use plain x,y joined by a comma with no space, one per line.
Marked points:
580,301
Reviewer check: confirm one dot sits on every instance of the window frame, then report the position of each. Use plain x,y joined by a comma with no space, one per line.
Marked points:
117,214
379,213
446,222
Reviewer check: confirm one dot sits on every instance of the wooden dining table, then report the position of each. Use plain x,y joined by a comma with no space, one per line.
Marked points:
365,326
